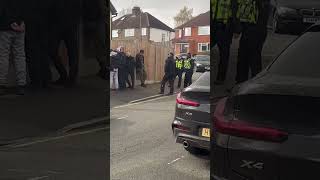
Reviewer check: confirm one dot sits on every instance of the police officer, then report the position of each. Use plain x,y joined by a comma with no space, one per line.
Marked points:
250,42
131,67
224,16
179,70
121,58
188,68
169,74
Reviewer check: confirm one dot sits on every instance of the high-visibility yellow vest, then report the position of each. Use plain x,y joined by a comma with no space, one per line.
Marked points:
222,11
187,63
247,11
179,64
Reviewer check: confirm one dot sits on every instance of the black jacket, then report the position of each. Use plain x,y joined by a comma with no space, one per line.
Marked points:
131,64
169,68
139,61
11,11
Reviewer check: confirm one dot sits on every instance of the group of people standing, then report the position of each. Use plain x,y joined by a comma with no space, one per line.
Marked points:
175,68
123,66
232,18
30,36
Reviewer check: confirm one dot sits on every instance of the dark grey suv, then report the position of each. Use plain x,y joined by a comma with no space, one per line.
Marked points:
191,124
269,127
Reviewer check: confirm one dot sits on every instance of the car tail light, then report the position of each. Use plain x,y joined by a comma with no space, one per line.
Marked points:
182,100
244,129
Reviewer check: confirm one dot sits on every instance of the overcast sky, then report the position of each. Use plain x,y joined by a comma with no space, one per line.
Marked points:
164,10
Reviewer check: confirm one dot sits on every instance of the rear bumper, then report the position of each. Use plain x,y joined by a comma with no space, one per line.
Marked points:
194,141
192,136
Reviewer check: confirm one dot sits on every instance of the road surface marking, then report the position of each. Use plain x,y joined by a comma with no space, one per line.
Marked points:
137,103
175,160
138,100
123,117
83,123
38,178
56,138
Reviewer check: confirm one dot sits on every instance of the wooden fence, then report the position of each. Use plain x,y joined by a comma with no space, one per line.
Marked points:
155,55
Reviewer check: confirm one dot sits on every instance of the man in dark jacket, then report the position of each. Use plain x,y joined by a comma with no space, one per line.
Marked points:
121,58
140,69
131,67
169,74
12,35
64,27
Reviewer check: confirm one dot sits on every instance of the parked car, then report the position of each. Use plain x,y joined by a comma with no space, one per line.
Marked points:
297,15
202,63
191,124
269,127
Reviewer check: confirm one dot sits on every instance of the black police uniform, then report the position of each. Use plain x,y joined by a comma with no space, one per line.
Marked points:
169,75
121,58
251,44
188,73
179,72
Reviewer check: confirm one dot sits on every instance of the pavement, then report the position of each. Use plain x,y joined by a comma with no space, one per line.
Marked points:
139,93
42,113
143,147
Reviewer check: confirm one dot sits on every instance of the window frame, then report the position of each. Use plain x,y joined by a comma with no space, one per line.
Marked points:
115,31
200,45
126,31
143,31
204,34
185,30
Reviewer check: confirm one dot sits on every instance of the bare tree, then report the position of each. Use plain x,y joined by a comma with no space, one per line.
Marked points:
183,16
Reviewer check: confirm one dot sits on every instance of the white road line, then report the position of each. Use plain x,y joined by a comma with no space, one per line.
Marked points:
137,100
56,138
123,117
175,160
132,104
38,178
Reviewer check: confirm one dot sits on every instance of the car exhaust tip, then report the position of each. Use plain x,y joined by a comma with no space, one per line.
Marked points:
185,144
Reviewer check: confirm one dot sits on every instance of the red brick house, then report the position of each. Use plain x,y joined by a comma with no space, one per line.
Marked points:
193,36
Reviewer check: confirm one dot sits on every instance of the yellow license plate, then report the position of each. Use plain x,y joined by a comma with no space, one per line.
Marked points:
206,132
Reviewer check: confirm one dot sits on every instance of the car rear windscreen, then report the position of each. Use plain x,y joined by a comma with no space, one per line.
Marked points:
301,58
204,80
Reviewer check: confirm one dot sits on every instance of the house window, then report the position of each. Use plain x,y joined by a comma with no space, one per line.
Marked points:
115,33
180,32
203,47
163,38
187,31
204,30
128,32
184,48
144,31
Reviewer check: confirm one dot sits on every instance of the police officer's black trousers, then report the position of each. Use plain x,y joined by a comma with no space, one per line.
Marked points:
165,79
188,78
122,78
132,77
179,74
249,53
223,38
68,34
37,53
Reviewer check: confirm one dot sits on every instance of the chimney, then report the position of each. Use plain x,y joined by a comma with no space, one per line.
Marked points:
136,10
